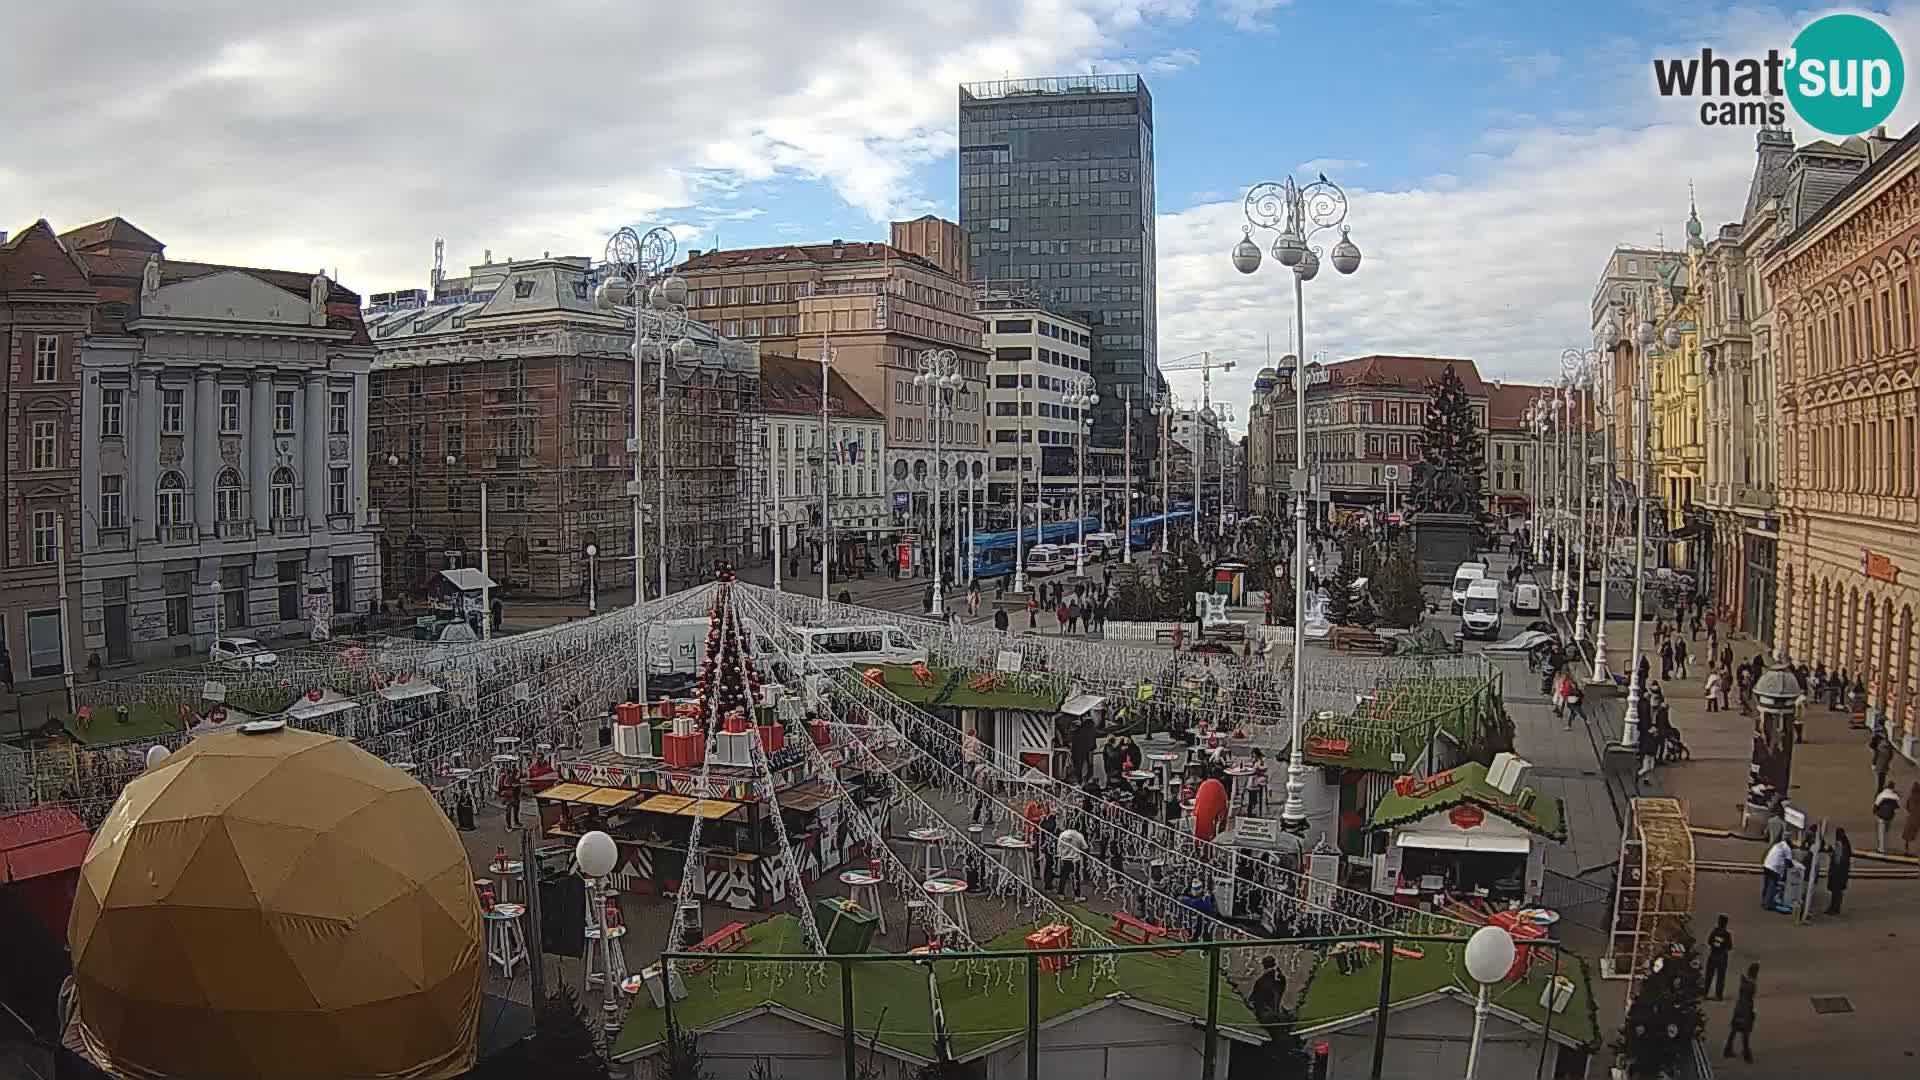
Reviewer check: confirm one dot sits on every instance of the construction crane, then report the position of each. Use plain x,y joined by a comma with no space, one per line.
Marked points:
1205,363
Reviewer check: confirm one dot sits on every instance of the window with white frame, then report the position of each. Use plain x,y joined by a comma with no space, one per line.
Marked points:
46,358
45,633
46,536
230,411
337,490
113,501
280,493
283,411
112,406
170,504
173,409
44,445
339,412
229,502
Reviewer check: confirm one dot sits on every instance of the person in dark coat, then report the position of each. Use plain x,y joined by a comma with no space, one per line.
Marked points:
1269,992
1743,1015
1648,744
1000,619
1839,869
1719,948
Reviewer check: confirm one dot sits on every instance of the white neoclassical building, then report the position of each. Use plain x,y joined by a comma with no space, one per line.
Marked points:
224,474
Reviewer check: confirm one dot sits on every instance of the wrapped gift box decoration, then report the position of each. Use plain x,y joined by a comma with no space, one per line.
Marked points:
1557,994
651,977
1055,936
847,927
632,740
773,738
735,723
627,713
822,736
733,748
684,751
658,737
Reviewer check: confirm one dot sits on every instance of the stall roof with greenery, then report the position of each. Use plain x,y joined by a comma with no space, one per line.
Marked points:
1332,997
953,688
892,997
900,681
1467,783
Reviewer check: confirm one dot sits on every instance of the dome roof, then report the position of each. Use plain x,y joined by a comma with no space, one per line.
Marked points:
278,904
1265,379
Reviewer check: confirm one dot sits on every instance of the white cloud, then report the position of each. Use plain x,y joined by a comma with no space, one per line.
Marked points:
1169,62
1336,166
352,134
1250,14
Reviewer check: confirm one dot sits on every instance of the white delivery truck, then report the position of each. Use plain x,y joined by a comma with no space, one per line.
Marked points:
1481,615
1464,575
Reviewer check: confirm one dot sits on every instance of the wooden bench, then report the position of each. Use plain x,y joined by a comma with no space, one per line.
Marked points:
1355,639
729,938
1129,929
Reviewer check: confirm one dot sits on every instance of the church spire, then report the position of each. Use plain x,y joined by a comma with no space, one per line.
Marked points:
1694,239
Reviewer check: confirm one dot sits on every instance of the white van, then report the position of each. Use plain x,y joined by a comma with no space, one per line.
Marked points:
1044,559
1465,575
1481,614
1526,598
1104,545
836,648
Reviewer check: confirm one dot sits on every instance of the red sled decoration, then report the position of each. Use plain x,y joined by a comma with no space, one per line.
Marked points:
773,738
684,751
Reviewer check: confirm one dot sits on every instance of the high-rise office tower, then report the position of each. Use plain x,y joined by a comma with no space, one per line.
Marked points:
1056,199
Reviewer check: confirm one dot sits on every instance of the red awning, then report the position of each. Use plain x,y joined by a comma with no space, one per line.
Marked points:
40,860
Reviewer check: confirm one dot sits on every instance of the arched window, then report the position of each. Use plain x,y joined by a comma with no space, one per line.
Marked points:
227,501
281,491
171,505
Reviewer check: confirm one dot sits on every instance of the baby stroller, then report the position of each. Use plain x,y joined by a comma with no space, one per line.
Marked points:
1672,747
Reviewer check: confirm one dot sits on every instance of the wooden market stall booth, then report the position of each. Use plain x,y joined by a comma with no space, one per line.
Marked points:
1020,715
1473,835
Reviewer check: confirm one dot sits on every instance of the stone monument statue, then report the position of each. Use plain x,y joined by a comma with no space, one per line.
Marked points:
1445,520
150,277
317,299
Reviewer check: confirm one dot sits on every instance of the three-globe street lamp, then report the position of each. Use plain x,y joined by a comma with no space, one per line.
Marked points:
1297,214
1081,399
1644,336
1160,404
641,285
1603,408
940,375
1581,366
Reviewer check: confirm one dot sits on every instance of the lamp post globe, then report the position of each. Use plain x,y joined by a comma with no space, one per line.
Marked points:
393,460
1346,253
1489,955
1309,266
1645,333
683,351
674,290
1246,253
1671,338
1289,248
596,854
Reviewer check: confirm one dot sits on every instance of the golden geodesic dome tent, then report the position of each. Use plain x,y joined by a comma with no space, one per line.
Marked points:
277,904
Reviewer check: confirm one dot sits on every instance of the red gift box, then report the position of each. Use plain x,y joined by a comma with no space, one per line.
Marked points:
734,724
684,751
773,738
628,713
822,735
1051,937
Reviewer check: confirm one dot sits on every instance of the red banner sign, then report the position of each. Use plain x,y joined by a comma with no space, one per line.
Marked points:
1879,567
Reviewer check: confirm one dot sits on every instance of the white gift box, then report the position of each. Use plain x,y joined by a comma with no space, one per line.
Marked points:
734,748
633,740
1558,994
651,977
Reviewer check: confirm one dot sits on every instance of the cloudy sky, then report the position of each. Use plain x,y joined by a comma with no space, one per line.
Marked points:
1494,152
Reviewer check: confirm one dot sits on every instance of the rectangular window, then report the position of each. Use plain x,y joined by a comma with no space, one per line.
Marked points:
753,327
342,567
456,380
45,632
46,358
233,596
289,590
753,294
776,294
112,404
178,589
1866,317
113,508
340,412
732,295
456,439
44,445
283,411
337,491
230,412
1906,316
45,543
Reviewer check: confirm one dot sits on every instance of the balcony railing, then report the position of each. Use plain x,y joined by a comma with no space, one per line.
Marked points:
178,534
289,526
236,529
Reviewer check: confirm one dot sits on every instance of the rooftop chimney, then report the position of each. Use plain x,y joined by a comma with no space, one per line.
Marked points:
693,253
839,248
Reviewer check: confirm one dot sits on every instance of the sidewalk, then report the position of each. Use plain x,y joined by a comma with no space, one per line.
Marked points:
1864,955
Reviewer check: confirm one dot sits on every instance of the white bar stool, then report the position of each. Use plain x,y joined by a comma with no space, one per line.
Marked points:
506,942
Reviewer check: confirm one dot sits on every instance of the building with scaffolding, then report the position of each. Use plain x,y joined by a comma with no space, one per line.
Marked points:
509,387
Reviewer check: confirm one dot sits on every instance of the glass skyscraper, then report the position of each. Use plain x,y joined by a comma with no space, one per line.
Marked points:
1056,197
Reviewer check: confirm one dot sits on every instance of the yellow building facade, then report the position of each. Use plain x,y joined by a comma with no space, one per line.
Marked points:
1677,403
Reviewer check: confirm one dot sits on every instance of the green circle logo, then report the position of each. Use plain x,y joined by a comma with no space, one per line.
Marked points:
1846,74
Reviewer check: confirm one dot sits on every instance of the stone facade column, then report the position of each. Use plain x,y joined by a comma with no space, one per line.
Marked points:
314,451
206,448
260,450
143,451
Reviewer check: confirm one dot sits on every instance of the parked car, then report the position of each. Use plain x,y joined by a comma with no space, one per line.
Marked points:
243,653
1526,598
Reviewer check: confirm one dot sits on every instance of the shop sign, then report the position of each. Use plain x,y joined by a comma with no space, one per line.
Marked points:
1466,816
1879,566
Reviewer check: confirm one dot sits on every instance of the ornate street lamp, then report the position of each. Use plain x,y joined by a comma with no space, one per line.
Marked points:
940,375
1081,398
1297,215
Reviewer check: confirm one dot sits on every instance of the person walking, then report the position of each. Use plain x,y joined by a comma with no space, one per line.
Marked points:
1680,655
1716,689
1666,659
1060,616
1882,757
1839,869
1885,806
1743,1015
1719,949
1574,708
1912,828
1073,855
1033,612
1649,747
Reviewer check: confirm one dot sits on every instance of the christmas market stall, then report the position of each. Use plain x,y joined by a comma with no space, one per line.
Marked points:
1472,835
1022,716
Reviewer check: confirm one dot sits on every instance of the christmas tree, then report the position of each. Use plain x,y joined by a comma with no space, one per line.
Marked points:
1452,451
561,1044
1665,1016
726,682
1340,594
1397,588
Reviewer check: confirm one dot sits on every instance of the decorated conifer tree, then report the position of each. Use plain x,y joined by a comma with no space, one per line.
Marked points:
1665,1016
1452,451
562,1045
1396,589
1340,594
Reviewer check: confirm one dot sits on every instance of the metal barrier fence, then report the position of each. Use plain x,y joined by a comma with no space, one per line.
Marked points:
821,972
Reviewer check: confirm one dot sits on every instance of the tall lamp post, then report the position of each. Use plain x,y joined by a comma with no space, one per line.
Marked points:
976,485
640,285
1642,480
593,594
1297,215
1603,406
1162,407
940,375
1081,399
1126,520
1223,412
1490,954
1580,365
